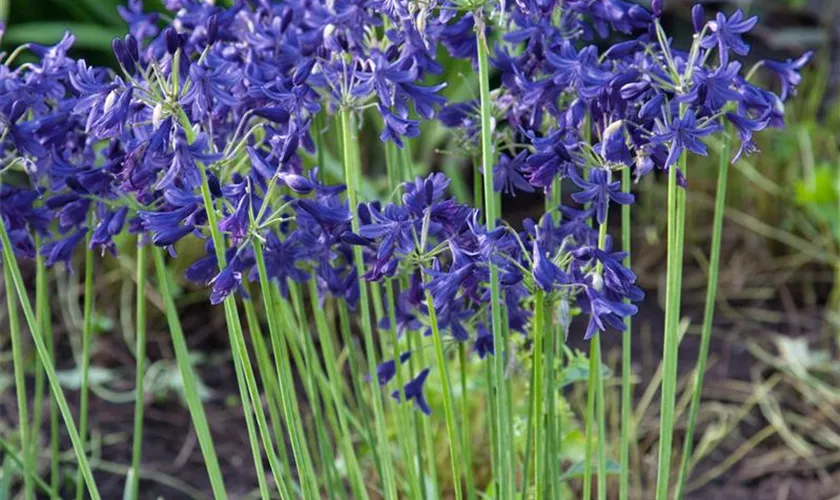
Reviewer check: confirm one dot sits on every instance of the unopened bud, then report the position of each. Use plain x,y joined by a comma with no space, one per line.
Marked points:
157,116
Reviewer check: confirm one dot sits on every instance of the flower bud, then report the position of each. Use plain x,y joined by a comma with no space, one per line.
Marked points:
133,47
212,29
698,18
173,41
18,109
157,116
656,7
121,53
302,72
110,100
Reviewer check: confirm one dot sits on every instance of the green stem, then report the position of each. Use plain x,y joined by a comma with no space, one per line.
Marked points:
504,447
708,314
253,440
421,422
41,312
269,378
553,421
20,380
539,375
465,424
44,320
189,379
595,403
357,482
676,220
602,420
352,175
12,456
311,368
626,340
140,357
448,402
553,438
87,339
529,435
238,346
300,451
11,264
403,427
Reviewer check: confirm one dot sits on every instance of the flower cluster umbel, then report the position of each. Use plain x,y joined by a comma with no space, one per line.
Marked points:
224,101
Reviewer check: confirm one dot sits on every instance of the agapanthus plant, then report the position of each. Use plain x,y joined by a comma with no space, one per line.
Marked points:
218,128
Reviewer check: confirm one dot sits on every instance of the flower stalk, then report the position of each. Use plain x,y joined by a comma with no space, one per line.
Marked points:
708,313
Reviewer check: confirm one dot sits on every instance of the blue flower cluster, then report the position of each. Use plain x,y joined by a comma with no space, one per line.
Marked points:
224,99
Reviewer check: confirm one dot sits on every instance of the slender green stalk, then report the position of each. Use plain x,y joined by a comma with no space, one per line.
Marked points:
553,421
539,376
20,380
448,401
676,221
602,420
238,346
529,435
357,482
404,168
595,403
421,422
311,368
12,456
503,446
41,310
46,332
253,440
403,422
11,264
708,314
87,339
626,340
189,379
553,439
269,378
352,175
590,417
300,451
466,433
356,375
140,357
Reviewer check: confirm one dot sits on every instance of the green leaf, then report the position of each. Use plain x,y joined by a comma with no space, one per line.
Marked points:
576,470
577,370
88,36
823,189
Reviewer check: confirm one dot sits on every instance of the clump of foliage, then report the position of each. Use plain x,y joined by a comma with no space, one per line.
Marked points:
215,128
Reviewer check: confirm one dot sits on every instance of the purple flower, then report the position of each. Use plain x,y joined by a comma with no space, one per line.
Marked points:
507,175
183,168
599,190
114,117
745,127
604,312
61,250
727,34
681,134
483,344
788,73
396,128
388,370
224,284
546,274
166,227
413,390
